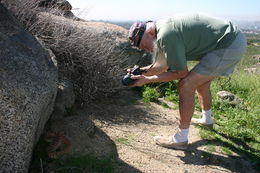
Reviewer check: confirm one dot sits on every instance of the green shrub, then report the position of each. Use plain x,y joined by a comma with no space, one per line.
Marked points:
150,94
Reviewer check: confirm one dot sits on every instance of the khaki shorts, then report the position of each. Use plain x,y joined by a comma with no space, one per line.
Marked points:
221,62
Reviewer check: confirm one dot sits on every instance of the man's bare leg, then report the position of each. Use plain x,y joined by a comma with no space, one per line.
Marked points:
187,88
205,100
204,96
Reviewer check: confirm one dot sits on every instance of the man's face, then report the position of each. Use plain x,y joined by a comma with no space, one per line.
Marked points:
147,42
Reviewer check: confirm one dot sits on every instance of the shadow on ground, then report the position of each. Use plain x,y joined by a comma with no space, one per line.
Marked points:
99,145
125,107
193,155
245,158
95,153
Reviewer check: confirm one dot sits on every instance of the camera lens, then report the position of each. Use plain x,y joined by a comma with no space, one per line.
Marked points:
127,80
136,70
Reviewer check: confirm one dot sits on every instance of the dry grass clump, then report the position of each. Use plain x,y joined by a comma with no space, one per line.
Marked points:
92,58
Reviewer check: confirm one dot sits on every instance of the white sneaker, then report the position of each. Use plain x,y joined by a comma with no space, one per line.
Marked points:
198,121
168,143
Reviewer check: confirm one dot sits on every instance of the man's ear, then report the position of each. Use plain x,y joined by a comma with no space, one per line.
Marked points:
151,30
151,34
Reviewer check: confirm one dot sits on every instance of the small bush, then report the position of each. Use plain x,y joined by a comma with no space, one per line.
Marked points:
150,94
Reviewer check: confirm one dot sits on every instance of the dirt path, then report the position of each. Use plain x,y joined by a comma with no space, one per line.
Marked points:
125,127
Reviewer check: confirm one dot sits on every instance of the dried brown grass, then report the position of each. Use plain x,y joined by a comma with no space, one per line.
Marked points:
91,59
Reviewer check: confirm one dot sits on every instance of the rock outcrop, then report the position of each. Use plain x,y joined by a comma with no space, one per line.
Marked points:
62,7
229,98
65,100
93,55
28,87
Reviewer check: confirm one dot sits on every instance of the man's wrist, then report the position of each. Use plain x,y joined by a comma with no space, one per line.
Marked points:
143,71
153,78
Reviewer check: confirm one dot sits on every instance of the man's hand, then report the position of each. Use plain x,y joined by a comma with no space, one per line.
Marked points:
140,80
163,77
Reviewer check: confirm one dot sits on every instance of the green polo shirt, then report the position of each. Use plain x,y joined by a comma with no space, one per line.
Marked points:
189,37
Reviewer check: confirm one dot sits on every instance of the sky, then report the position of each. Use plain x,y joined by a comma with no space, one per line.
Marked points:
120,10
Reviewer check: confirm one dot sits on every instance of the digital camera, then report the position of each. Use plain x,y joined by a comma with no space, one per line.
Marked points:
127,80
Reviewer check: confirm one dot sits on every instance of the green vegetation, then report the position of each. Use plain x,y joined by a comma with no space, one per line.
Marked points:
226,150
207,134
165,105
211,148
76,163
237,128
150,94
253,38
86,163
248,60
122,140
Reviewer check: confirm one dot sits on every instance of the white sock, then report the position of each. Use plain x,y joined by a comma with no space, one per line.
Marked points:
206,117
181,135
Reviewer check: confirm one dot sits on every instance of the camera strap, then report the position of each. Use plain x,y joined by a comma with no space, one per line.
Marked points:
142,59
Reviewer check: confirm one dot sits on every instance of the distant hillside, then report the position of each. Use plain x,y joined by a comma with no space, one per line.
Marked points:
249,26
124,24
244,25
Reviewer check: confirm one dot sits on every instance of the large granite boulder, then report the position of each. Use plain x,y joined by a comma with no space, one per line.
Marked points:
28,87
93,55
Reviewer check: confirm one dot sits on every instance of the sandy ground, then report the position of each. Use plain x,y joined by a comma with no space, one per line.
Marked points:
125,127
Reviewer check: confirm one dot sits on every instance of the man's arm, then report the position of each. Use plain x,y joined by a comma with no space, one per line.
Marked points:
153,70
163,77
